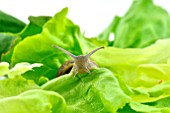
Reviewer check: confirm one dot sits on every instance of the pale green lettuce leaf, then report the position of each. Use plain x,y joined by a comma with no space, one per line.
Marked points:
149,75
21,68
17,70
135,107
15,86
34,101
98,91
142,73
124,62
4,68
142,108
144,94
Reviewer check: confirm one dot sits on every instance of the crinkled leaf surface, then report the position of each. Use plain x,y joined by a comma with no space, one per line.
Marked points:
38,48
142,74
157,92
15,86
144,108
145,72
98,91
149,75
126,61
34,101
142,25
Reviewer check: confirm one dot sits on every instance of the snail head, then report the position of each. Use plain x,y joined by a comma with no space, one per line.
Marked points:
82,63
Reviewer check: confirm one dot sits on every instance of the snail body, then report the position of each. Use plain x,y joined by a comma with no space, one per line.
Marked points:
79,64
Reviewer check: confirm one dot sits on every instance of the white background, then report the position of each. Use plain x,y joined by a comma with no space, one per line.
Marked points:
93,16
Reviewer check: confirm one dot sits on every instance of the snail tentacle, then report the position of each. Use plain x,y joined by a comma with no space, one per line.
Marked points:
65,51
89,54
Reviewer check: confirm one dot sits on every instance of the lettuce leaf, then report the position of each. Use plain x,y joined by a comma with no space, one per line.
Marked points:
135,107
35,26
98,91
38,48
152,74
7,41
126,61
142,73
4,68
141,26
21,68
17,70
15,86
142,108
34,101
10,23
138,80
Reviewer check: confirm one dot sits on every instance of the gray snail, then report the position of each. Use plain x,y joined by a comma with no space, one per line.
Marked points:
79,64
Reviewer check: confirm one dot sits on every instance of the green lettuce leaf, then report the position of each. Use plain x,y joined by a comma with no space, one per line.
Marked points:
142,108
126,61
7,41
143,74
38,48
138,80
152,74
8,44
110,30
34,101
142,25
134,107
15,86
9,23
35,26
157,92
127,109
98,91
161,103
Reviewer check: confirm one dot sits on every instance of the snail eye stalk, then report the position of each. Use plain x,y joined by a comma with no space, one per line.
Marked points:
89,54
65,51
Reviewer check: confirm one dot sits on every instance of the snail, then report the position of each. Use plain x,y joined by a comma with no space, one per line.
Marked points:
79,64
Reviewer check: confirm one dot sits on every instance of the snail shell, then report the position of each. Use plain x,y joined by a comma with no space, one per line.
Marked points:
65,68
79,64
